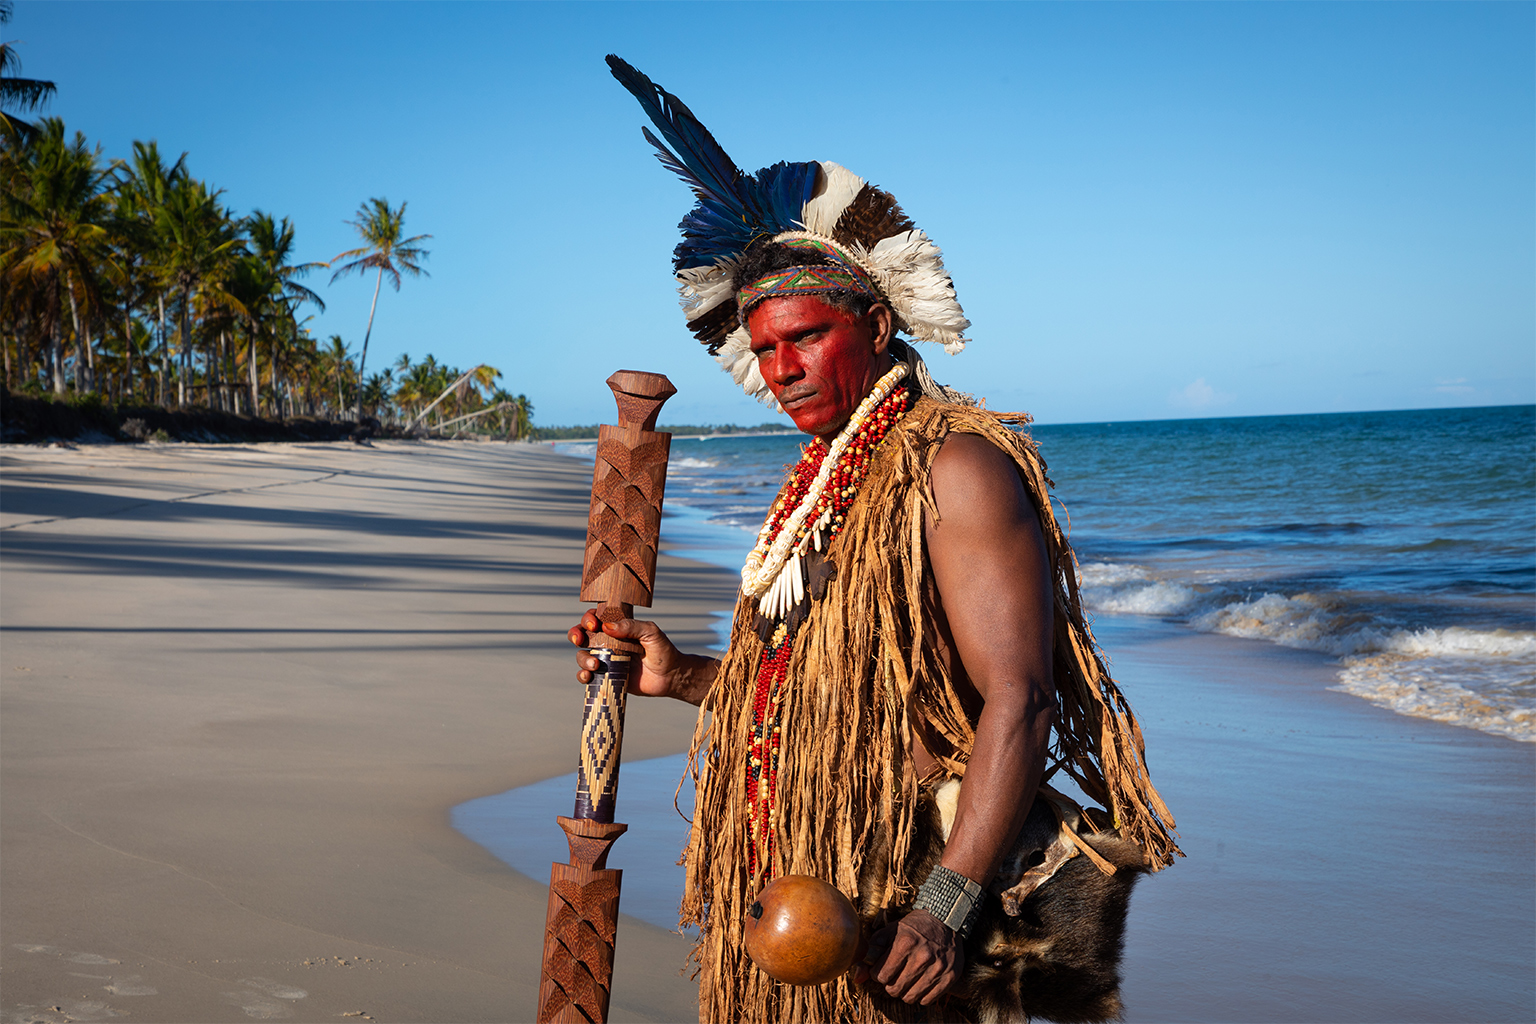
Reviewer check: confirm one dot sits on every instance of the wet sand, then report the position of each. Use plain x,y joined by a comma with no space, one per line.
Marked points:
242,689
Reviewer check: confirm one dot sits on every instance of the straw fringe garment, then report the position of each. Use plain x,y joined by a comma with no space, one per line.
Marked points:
847,788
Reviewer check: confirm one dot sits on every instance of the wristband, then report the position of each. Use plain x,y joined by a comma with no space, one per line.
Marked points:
952,898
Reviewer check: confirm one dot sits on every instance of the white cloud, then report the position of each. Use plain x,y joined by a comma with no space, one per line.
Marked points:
1454,386
1197,394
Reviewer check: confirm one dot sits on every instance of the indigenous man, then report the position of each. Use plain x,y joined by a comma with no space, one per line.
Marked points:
908,615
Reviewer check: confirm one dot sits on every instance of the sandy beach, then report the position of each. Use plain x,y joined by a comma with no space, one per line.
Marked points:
245,687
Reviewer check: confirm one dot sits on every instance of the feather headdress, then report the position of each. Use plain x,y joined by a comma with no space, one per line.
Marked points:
818,200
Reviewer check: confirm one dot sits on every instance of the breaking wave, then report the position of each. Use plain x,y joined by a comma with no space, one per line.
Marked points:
1121,589
1482,679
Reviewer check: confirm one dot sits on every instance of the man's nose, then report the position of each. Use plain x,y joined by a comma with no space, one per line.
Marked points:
784,365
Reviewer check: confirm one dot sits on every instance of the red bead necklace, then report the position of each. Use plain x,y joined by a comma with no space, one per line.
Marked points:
767,708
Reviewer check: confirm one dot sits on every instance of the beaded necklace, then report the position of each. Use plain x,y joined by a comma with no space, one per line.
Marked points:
808,513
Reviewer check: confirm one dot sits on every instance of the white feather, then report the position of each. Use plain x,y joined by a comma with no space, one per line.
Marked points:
836,189
736,358
910,270
701,289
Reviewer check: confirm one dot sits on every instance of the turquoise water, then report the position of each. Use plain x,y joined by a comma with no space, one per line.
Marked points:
1401,543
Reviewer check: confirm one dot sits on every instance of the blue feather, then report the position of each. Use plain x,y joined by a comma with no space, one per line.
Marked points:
786,188
733,207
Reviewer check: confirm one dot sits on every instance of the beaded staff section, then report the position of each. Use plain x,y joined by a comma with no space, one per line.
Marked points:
602,737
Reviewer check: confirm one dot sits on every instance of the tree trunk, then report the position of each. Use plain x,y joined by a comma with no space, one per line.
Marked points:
90,351
56,349
250,363
74,319
128,351
362,360
183,339
165,358
57,354
216,372
24,352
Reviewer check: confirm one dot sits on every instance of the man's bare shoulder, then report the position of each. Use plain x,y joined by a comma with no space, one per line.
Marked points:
972,478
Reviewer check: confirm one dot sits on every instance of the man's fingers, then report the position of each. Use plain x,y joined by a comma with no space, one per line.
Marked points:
945,982
927,988
631,629
895,959
926,984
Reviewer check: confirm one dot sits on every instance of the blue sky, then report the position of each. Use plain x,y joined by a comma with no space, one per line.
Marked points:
1150,210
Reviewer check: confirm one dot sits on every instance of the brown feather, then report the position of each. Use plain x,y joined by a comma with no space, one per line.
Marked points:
712,328
871,216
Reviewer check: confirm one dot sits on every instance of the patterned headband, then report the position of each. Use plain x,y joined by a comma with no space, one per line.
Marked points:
842,276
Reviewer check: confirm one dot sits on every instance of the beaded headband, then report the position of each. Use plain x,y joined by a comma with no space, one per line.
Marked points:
842,276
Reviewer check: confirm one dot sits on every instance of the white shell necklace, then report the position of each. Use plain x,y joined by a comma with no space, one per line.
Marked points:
764,572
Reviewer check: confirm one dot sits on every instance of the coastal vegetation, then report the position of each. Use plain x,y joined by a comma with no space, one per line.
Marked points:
135,283
131,283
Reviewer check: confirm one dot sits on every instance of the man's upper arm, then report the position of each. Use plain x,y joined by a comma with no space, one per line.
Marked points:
990,566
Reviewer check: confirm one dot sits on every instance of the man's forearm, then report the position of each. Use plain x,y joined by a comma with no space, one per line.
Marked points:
693,678
1000,780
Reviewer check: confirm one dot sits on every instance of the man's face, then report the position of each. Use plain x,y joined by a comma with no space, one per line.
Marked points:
819,361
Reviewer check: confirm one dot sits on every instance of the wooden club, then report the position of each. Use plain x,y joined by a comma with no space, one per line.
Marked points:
623,529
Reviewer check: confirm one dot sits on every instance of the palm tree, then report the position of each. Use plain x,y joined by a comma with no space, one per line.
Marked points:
52,242
271,289
196,233
144,185
385,251
376,392
338,366
518,420
28,94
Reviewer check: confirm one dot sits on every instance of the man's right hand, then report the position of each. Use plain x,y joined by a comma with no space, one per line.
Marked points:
665,670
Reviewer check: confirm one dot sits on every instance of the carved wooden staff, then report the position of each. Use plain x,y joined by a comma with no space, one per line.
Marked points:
620,569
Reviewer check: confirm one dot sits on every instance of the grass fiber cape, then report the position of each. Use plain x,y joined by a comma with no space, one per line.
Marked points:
866,673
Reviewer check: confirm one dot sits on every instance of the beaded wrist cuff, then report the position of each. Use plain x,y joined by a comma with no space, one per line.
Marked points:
952,898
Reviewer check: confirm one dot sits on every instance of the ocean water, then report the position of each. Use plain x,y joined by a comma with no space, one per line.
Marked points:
1401,543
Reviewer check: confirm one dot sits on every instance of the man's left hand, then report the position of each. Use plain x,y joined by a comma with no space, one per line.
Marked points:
916,960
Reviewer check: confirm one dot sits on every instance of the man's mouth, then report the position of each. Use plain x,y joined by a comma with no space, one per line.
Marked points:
789,397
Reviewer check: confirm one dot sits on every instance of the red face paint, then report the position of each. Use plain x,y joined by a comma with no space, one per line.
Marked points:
819,361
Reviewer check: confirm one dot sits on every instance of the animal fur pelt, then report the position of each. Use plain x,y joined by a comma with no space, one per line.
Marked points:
1048,942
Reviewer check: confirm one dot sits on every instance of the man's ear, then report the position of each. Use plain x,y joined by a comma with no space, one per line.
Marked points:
882,326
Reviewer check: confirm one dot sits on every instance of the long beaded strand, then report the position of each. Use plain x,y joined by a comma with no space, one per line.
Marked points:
845,474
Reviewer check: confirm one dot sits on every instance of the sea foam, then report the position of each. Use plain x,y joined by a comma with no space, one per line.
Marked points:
1480,679
1122,589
